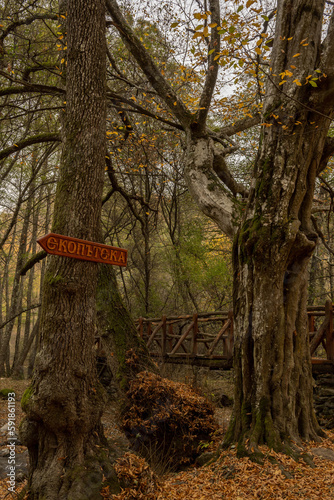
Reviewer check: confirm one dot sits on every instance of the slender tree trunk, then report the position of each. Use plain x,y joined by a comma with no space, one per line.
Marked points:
5,283
63,429
14,304
18,332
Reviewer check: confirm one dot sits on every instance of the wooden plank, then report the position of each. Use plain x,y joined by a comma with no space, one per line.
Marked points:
189,316
321,361
219,336
156,329
230,335
315,342
330,331
164,336
68,246
183,336
194,346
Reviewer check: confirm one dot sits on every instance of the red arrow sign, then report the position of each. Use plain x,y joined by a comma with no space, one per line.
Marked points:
67,246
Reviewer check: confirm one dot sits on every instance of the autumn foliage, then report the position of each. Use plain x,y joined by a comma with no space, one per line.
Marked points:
167,422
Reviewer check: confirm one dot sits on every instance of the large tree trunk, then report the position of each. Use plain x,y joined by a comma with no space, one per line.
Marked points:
273,394
63,429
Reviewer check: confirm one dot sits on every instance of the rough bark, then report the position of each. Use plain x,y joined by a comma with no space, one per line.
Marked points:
126,352
273,394
64,403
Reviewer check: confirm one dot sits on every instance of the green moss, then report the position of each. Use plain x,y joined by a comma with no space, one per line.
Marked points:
241,448
211,186
4,393
53,280
249,235
229,436
246,415
263,185
26,397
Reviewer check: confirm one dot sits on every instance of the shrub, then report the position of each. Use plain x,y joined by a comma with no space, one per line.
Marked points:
167,422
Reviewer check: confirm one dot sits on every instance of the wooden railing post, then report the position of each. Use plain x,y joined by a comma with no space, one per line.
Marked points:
195,335
149,330
141,327
171,333
329,332
164,336
230,335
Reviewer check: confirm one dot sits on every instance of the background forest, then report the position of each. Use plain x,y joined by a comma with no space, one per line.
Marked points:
179,261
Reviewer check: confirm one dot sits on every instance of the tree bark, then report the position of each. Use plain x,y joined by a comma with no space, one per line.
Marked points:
64,403
273,391
126,352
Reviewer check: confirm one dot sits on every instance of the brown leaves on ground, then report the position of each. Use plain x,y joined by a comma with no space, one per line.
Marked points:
232,478
138,480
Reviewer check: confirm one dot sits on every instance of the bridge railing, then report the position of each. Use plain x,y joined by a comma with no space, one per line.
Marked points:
208,337
321,331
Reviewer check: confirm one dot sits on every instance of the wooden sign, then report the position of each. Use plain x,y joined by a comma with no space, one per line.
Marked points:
67,246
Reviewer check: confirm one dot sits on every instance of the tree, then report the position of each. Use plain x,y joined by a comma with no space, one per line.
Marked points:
271,222
63,429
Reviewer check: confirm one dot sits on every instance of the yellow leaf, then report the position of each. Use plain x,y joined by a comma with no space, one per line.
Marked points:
258,50
296,55
281,83
297,82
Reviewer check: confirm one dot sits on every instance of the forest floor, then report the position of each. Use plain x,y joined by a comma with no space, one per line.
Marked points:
228,478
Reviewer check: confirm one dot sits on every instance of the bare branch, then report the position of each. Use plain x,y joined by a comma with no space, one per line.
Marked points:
220,167
31,262
37,139
240,126
321,235
151,71
212,70
142,111
327,152
26,22
27,88
18,314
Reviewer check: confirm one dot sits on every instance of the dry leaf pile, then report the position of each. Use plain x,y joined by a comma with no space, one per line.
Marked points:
167,421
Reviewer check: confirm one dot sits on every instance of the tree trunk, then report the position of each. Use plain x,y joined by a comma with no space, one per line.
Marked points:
64,403
273,393
126,352
15,303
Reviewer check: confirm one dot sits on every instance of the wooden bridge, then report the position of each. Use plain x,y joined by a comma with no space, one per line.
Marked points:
207,339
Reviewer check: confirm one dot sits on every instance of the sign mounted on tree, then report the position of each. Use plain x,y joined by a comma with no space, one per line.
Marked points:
67,246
